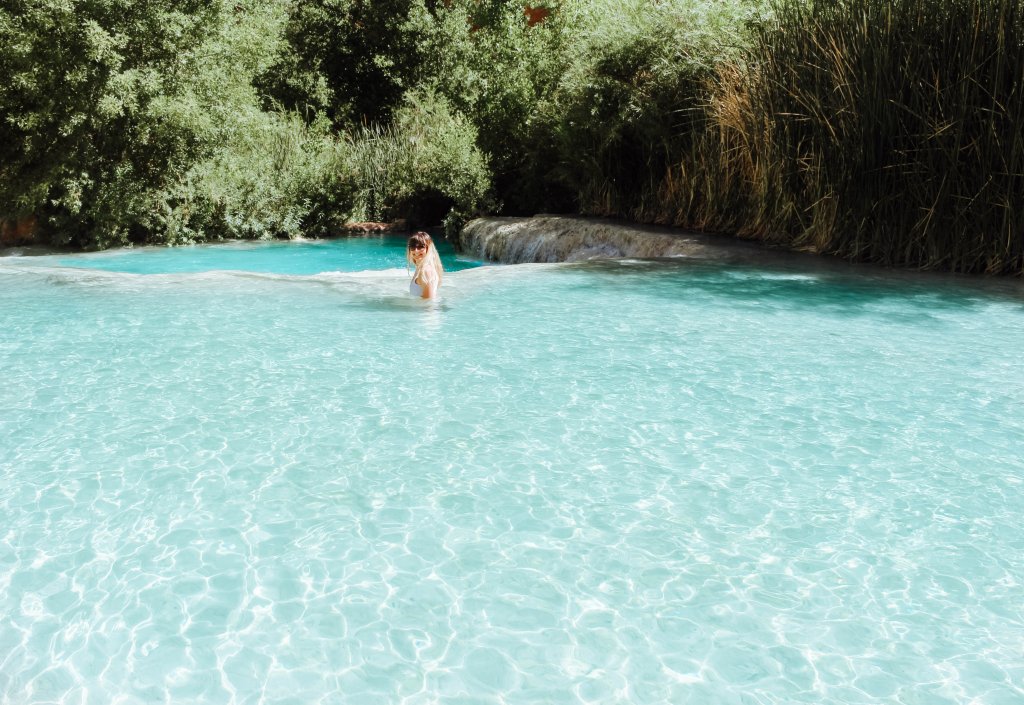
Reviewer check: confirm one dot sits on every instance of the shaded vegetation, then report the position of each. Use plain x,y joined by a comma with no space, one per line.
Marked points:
900,128
90,98
422,167
880,130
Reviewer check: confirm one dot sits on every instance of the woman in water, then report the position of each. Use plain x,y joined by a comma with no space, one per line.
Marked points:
421,253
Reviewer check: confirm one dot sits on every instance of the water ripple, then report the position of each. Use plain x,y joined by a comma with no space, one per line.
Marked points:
665,484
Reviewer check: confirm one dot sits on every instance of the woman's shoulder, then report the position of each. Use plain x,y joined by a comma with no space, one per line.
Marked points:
428,275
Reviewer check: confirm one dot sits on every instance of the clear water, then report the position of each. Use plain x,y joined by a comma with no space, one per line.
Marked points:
307,257
620,483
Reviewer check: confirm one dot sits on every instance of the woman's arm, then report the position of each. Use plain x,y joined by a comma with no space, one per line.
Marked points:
429,289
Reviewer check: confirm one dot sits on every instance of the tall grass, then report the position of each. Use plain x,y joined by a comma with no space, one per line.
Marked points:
633,102
900,125
889,131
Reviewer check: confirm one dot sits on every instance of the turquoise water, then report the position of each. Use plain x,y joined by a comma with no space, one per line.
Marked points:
627,482
307,257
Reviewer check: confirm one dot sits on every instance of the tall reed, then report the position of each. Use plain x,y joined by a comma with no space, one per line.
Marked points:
895,129
909,115
633,101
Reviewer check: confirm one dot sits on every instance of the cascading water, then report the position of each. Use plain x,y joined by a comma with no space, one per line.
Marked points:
552,238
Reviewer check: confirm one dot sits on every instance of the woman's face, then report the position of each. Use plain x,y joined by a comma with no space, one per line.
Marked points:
418,251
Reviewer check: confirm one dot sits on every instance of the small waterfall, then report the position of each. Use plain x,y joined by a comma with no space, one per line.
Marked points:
552,238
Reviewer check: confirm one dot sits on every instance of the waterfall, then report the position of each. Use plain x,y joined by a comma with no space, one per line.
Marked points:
553,238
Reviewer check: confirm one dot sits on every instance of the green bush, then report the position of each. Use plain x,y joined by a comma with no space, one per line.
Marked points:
627,108
84,139
420,167
265,173
497,71
137,121
277,177
357,62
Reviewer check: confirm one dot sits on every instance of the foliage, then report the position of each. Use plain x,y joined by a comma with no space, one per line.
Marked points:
497,71
899,131
265,173
870,129
137,121
356,63
277,177
349,59
627,108
875,130
87,135
420,167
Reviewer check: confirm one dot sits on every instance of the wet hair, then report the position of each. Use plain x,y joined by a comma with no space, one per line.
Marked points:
430,265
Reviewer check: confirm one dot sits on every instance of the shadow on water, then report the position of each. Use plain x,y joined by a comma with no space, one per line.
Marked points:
395,304
796,282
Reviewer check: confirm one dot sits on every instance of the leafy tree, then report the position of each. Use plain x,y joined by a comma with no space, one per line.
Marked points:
496,69
263,173
86,133
351,59
357,62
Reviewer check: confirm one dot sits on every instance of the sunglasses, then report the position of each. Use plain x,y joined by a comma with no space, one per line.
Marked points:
417,247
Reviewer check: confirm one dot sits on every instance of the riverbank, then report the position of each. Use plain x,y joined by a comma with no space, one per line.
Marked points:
568,238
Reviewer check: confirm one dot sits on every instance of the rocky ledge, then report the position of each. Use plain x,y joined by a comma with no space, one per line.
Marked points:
558,238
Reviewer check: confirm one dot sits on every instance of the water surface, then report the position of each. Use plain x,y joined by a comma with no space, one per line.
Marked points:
643,482
347,254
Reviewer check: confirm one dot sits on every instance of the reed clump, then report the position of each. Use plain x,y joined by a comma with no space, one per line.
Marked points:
889,131
632,102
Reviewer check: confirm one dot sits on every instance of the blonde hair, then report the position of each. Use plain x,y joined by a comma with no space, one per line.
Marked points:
430,266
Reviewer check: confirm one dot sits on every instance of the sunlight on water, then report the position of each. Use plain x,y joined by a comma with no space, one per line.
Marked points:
622,482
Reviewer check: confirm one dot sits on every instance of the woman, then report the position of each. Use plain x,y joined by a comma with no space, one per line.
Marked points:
421,253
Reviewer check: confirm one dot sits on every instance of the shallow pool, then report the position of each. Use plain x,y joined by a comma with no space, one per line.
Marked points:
629,482
349,254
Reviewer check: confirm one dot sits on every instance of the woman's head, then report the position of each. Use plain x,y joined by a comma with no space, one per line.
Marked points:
419,245
421,253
